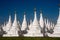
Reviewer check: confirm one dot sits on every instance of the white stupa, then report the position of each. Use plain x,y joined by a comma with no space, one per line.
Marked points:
13,32
7,27
34,28
56,32
57,27
41,22
24,23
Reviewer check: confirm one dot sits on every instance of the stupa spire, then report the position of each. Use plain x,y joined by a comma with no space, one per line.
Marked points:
9,18
15,16
15,20
24,23
41,19
34,28
13,31
24,16
59,11
58,17
35,21
41,13
8,25
35,13
57,27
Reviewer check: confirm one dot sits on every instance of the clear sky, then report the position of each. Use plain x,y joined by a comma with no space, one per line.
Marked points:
49,8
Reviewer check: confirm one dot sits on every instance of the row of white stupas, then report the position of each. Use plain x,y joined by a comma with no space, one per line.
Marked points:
36,28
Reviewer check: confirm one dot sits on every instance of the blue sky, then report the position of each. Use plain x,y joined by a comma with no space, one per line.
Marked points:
49,8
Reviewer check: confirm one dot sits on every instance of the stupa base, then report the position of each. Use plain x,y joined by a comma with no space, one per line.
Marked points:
54,35
31,35
10,35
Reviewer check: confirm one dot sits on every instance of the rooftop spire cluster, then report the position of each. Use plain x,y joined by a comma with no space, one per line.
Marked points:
37,28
